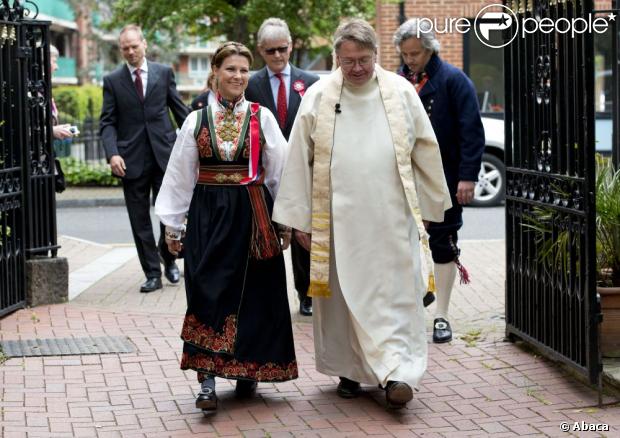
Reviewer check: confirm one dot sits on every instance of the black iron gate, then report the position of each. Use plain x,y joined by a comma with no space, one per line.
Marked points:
551,299
27,201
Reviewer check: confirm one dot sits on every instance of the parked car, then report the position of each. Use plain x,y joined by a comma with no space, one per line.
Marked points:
491,184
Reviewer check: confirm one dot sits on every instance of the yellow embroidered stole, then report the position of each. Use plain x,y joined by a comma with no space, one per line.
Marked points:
323,136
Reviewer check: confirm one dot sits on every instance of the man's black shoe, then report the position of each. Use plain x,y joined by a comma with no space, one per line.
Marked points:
397,394
348,388
305,306
151,284
207,399
172,273
441,331
245,388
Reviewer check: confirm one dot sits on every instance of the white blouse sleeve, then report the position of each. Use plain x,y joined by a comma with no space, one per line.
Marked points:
180,178
274,152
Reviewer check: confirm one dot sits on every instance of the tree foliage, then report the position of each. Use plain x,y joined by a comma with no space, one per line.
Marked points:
310,21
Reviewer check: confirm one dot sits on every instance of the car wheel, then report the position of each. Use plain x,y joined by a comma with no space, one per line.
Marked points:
491,183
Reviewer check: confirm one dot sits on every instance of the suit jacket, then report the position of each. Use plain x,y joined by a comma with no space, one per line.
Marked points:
259,90
129,126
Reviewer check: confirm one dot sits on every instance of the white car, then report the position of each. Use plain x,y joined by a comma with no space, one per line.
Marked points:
491,184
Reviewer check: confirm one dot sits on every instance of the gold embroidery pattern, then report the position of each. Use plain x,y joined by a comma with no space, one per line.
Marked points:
195,332
204,143
223,178
227,129
232,368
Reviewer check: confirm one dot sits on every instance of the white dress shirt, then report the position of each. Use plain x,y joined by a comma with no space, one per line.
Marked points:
275,83
144,74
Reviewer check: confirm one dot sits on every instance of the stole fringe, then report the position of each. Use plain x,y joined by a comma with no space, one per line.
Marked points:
431,284
319,289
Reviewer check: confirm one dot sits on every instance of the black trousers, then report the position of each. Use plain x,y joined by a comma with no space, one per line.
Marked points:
443,236
138,201
301,268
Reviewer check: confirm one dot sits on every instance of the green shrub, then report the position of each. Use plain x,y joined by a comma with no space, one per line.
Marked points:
79,173
75,103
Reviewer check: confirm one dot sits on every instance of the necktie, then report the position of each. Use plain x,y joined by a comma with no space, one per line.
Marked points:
281,101
138,84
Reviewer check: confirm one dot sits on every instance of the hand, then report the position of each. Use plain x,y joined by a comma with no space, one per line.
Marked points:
62,131
465,192
304,239
285,235
174,246
117,164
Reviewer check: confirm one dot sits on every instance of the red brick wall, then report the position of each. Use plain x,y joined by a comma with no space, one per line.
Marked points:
451,44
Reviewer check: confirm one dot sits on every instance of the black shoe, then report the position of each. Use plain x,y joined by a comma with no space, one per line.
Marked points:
151,284
441,331
397,394
207,399
348,388
245,388
428,299
172,273
305,306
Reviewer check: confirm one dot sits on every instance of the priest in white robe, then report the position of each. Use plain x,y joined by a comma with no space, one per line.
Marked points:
362,175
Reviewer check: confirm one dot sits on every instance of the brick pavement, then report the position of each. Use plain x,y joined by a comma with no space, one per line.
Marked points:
476,386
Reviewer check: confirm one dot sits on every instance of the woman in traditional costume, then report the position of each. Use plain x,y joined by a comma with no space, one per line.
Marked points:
224,172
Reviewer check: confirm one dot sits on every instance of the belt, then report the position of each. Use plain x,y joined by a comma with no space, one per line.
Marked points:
225,175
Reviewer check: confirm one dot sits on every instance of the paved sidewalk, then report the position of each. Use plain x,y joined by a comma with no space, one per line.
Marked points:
90,197
477,385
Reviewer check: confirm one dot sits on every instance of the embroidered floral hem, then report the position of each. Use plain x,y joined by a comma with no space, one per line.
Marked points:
199,334
230,368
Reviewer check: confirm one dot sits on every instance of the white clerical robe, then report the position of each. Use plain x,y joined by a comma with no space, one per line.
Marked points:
371,329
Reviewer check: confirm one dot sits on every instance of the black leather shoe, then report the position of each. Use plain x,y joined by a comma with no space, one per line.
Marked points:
397,394
207,399
305,306
151,284
172,273
245,388
348,388
441,331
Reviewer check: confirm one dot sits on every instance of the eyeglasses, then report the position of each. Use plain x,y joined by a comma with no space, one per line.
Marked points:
272,51
362,62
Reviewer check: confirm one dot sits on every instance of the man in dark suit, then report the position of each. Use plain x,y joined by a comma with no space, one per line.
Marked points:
138,136
280,86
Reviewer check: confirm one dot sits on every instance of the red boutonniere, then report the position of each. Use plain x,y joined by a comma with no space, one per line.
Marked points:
300,87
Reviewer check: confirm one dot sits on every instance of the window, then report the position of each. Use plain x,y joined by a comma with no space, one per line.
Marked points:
199,66
485,67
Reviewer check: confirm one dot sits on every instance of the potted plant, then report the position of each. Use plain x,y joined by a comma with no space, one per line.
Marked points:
608,253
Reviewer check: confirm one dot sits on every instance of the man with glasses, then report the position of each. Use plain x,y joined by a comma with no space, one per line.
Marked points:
362,176
280,86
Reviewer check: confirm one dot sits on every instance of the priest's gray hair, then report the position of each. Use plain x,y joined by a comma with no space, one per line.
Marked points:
54,52
357,30
417,28
273,29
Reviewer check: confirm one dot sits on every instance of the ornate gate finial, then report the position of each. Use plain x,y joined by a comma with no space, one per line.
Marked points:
18,11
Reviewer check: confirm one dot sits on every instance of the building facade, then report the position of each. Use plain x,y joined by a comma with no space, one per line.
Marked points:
484,65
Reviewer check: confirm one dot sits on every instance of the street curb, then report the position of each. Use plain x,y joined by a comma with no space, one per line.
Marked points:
81,203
